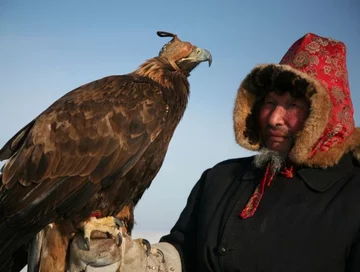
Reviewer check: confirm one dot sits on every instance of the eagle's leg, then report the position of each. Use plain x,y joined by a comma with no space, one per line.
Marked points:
126,215
109,224
48,250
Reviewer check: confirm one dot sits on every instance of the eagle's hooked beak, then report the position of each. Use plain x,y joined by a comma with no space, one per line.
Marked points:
197,55
200,55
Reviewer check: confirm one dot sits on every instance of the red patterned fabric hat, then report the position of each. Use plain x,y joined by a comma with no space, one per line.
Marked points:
315,67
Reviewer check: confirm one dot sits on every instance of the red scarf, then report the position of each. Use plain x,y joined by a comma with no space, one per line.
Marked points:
255,199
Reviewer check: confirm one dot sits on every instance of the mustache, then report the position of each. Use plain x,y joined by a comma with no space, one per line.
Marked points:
278,131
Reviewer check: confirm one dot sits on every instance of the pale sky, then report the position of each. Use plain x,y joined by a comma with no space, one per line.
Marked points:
48,48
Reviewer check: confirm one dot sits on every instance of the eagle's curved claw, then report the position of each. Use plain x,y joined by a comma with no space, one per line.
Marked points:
87,243
144,243
119,239
119,223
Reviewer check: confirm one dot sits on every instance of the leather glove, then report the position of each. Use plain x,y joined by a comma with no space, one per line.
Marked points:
104,255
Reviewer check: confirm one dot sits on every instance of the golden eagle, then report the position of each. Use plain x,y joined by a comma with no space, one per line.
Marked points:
91,153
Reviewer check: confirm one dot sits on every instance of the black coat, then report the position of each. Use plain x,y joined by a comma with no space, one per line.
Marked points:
307,223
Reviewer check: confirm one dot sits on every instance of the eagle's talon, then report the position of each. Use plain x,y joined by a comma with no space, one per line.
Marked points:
87,243
119,239
118,222
147,245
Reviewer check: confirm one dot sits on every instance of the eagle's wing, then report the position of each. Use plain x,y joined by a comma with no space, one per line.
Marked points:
15,142
94,132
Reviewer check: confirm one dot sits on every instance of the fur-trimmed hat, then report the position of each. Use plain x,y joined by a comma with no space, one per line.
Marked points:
314,67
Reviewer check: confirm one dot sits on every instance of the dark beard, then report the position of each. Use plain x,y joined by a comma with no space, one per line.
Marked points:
265,156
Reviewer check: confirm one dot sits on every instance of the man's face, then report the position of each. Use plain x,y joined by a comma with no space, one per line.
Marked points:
281,117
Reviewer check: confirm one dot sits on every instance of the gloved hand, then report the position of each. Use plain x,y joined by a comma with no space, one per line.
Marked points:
105,255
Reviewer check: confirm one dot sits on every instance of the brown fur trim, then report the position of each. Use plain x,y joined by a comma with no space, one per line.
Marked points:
280,78
356,149
314,125
247,138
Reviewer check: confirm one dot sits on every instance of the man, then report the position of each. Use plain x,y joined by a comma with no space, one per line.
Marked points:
295,205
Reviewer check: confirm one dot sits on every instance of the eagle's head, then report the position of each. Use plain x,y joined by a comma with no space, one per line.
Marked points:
183,56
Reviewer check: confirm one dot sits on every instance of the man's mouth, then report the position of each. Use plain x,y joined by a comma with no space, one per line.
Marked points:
277,134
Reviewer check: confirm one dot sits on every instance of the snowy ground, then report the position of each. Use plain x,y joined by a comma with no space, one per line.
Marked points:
151,236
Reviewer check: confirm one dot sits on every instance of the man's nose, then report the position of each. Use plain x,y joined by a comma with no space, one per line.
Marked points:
277,116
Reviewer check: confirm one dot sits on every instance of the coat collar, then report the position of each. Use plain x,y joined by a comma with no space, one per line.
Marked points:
321,180
318,179
252,172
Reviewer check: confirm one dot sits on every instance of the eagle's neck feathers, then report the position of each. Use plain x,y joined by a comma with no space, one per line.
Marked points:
161,71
